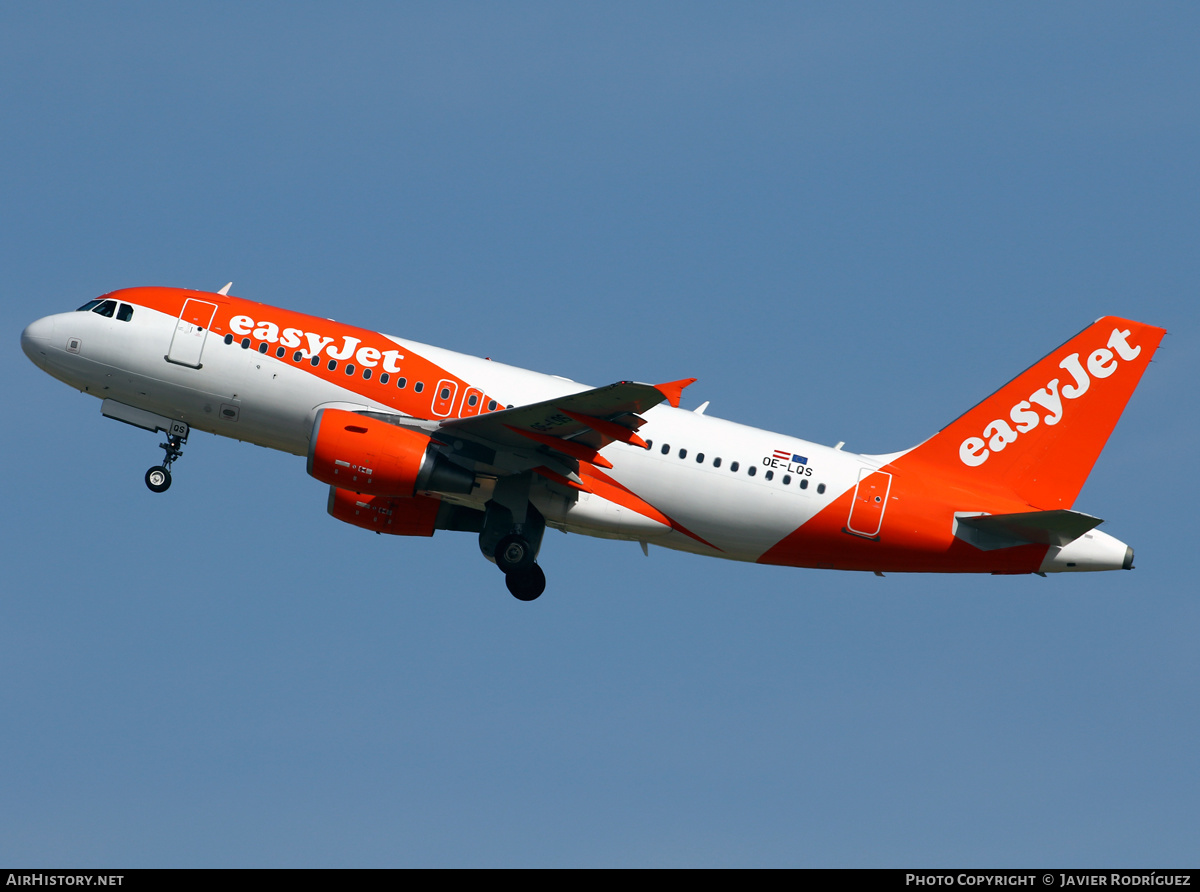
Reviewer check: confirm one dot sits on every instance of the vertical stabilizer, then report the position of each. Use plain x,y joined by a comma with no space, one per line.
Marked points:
1039,435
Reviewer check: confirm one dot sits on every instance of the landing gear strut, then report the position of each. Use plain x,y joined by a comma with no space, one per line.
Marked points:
158,478
512,535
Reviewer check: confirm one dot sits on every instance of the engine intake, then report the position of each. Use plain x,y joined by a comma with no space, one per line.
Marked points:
365,455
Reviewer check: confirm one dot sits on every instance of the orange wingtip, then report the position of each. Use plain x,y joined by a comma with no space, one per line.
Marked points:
575,450
607,428
673,390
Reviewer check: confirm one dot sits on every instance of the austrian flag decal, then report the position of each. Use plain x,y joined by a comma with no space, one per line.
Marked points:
783,455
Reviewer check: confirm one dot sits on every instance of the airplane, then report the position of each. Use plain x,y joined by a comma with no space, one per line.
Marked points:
412,439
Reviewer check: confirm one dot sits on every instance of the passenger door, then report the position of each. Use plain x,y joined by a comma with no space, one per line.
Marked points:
191,330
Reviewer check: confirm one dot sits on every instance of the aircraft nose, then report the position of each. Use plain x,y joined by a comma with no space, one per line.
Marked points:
37,337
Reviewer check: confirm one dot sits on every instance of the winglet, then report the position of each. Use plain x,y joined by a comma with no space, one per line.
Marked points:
673,390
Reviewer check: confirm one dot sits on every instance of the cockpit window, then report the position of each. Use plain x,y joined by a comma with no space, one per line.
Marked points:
125,313
87,306
106,308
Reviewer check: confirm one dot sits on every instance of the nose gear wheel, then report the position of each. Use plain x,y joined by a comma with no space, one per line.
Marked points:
158,478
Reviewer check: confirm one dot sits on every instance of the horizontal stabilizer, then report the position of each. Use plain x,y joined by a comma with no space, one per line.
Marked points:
990,531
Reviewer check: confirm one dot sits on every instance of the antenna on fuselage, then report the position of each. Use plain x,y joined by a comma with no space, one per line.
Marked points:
225,290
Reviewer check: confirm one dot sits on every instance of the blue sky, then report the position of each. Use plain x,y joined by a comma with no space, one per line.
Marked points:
849,221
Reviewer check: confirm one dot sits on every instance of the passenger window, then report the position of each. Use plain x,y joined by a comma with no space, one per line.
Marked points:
752,470
804,483
770,475
717,462
683,453
445,393
279,351
297,356
401,382
491,405
787,478
665,449
699,458
245,343
350,368
228,339
366,374
384,378
125,313
316,361
820,487
472,400
649,444
733,467
262,348
106,308
418,387
332,365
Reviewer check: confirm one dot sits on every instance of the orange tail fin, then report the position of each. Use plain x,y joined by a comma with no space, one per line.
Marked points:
1039,435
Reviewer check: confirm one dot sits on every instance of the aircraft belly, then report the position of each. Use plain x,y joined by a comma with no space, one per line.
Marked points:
593,515
739,518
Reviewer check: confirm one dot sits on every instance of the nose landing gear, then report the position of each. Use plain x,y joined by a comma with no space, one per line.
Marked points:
158,478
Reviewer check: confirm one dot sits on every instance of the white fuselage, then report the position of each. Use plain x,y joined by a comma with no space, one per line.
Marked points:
686,480
270,401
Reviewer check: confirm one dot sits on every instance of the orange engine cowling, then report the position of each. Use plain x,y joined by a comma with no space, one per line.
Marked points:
366,455
414,516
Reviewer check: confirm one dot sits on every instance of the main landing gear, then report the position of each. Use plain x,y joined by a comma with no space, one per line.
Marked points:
524,578
158,478
512,536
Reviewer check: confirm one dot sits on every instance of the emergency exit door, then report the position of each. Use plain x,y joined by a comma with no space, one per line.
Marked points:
870,501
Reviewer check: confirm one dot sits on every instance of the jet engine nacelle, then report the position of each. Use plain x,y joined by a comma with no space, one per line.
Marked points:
414,516
366,455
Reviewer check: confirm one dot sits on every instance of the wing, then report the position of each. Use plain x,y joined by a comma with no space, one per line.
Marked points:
564,430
